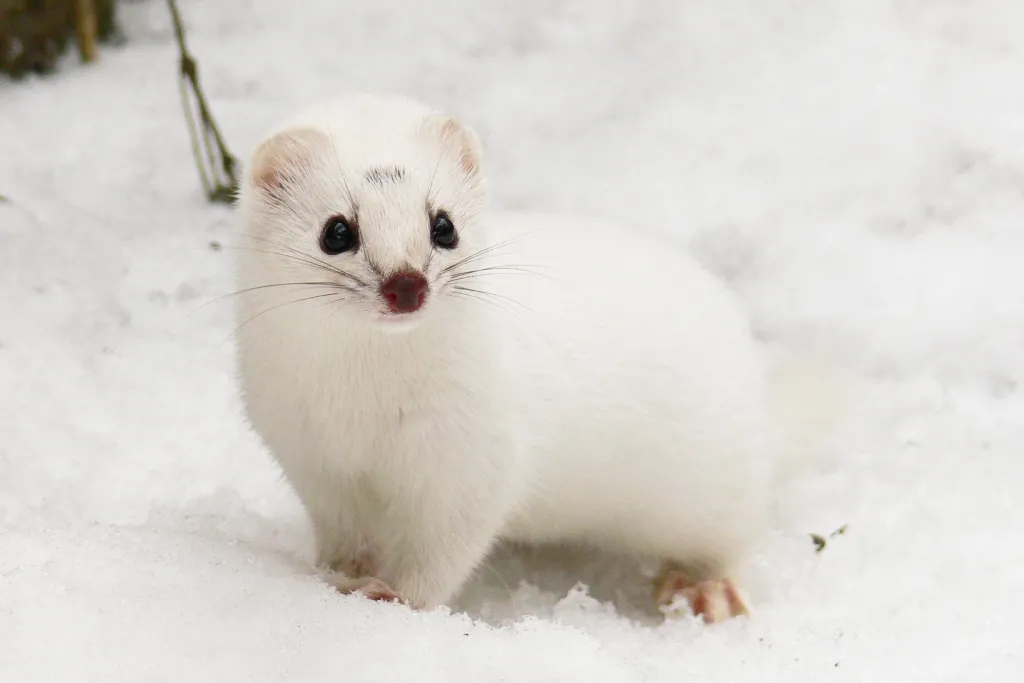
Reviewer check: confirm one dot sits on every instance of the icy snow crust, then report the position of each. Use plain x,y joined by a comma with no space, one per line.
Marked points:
854,168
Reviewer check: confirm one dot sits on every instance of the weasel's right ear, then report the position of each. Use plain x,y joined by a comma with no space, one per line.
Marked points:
284,156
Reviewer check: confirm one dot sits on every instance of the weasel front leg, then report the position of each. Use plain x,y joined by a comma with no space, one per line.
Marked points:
423,543
421,565
441,523
344,558
429,560
355,571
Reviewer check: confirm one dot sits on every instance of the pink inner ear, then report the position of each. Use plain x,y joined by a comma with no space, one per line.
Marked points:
452,131
284,154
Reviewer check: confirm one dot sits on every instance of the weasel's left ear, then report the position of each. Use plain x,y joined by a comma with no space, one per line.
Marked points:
461,140
284,156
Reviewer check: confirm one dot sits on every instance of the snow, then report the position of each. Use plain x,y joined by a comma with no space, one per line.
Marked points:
855,168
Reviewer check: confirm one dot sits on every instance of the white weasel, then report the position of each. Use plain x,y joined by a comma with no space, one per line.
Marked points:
433,375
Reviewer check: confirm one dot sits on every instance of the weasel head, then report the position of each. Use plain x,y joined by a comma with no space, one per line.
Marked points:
371,206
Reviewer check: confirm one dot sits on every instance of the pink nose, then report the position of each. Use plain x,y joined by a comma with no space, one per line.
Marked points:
405,292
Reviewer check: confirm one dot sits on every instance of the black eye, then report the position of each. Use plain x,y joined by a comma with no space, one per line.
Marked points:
442,232
338,236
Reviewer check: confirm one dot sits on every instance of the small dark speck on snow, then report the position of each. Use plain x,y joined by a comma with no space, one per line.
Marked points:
820,542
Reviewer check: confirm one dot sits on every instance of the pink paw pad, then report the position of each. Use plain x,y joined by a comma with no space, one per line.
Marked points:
714,600
372,588
377,590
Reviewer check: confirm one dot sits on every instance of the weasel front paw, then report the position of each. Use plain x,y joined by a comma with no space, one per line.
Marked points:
372,588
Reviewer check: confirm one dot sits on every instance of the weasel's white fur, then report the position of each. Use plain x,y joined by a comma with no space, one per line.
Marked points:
587,383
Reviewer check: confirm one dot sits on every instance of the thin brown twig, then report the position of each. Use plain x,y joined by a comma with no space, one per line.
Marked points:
86,27
219,180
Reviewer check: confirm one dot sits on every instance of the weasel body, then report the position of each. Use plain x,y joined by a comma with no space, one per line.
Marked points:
433,375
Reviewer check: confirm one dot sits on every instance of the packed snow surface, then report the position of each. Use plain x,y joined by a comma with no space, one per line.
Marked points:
855,170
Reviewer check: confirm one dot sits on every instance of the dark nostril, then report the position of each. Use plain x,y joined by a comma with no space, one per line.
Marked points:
405,292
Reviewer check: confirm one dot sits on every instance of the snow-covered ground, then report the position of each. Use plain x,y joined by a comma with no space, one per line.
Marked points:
854,167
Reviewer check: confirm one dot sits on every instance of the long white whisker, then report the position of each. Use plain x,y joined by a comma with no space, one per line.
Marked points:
274,308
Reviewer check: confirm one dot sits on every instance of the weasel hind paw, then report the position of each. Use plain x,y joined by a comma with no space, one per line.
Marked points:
714,600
